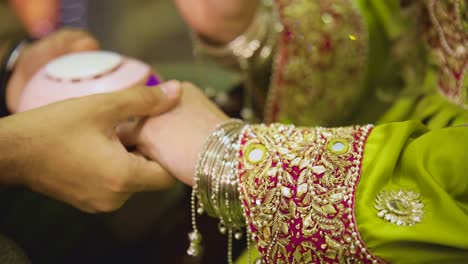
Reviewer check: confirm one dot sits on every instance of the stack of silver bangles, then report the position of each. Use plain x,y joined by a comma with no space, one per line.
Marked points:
217,178
216,185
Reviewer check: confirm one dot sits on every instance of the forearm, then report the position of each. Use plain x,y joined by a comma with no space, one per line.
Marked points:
218,21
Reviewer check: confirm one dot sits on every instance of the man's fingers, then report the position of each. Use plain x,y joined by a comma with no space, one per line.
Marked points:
140,101
128,132
147,175
69,41
84,43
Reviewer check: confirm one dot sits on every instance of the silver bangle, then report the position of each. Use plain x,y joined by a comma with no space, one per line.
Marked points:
216,185
213,163
14,56
238,53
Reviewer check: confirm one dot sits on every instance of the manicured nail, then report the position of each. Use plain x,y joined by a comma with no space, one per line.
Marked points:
152,80
171,88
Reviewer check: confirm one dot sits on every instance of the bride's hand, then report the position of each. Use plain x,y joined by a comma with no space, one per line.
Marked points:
176,138
218,20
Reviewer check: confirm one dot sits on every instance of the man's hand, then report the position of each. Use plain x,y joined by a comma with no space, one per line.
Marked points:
70,150
40,53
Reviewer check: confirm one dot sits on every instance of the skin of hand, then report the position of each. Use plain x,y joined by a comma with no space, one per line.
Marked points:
38,17
219,21
70,151
176,138
36,55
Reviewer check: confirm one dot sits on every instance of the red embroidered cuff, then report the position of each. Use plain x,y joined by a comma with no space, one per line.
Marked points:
298,187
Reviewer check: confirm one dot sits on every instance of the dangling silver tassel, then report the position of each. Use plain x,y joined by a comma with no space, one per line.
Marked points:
195,237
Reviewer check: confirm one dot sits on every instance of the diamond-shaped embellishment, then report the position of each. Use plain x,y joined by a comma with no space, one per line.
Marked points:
304,163
336,197
286,192
319,169
296,161
283,150
301,189
272,171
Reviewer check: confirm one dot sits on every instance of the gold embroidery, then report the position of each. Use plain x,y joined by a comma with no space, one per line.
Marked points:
299,199
402,208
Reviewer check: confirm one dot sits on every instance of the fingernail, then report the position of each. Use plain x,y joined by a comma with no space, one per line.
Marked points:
152,80
171,88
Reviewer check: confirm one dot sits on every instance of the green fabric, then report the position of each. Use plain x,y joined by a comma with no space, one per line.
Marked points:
409,156
432,109
430,159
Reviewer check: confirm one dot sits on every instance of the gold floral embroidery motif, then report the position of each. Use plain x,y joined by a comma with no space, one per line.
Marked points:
299,197
402,208
321,63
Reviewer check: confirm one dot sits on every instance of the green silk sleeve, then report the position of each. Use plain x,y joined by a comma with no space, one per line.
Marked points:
432,163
